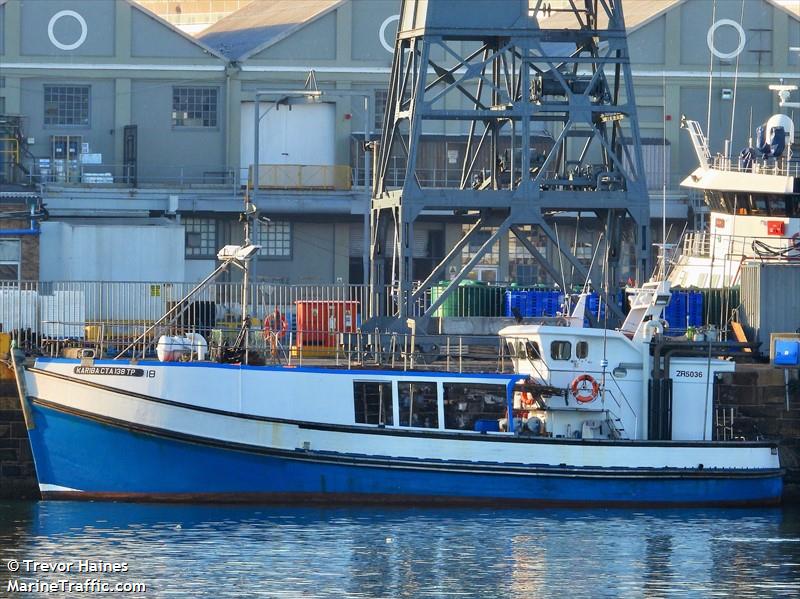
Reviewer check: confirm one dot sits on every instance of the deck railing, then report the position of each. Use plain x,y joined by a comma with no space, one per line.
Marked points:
780,167
704,244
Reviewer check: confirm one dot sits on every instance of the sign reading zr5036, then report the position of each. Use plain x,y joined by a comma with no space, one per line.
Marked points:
114,371
692,374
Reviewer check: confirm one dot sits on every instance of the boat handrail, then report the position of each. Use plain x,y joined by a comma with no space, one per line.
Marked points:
699,244
780,167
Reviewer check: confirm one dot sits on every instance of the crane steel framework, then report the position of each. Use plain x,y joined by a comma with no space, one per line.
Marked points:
501,72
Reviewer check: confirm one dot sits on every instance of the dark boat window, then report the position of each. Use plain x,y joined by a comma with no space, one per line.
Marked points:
512,348
373,402
777,206
561,350
582,349
417,404
473,406
532,349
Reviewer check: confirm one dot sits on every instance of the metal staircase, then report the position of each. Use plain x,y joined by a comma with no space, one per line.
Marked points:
699,141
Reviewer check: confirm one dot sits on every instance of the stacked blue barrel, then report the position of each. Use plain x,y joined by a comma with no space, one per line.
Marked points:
685,309
532,303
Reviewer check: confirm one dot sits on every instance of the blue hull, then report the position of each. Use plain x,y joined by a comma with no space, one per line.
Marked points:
107,461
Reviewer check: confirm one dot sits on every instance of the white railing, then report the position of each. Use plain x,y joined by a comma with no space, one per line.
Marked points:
781,166
704,244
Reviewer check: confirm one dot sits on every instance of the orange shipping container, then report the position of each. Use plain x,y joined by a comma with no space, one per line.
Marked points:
319,322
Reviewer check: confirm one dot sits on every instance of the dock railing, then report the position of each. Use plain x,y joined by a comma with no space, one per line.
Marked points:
312,321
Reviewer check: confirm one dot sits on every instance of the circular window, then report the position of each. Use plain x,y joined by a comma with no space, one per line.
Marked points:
52,25
382,32
729,23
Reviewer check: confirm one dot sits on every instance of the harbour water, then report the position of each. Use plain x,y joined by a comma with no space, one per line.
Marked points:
264,551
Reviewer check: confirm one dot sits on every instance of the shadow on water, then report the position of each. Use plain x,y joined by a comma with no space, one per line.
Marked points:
232,551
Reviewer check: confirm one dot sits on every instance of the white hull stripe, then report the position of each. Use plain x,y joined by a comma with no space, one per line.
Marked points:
47,488
437,434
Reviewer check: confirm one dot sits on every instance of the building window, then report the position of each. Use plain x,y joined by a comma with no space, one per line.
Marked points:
381,99
201,237
10,254
66,105
373,403
275,239
194,107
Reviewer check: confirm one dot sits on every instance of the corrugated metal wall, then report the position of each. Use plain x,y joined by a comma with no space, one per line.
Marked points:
770,300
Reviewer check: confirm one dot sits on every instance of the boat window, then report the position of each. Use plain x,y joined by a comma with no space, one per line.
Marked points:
373,402
561,350
777,206
512,348
581,349
473,406
417,403
532,350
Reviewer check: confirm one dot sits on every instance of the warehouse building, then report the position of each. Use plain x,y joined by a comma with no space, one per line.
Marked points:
138,135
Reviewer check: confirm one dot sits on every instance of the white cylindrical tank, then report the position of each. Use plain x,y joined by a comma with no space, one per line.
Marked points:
171,349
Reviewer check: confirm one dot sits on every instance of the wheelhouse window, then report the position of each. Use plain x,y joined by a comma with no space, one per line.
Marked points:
66,105
473,406
194,106
373,403
561,350
532,350
417,404
582,350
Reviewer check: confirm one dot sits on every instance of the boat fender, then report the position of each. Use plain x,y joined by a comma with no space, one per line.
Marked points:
582,392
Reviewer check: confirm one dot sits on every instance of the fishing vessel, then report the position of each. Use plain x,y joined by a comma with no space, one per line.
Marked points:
753,202
563,415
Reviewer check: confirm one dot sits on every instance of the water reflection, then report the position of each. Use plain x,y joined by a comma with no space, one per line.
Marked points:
212,551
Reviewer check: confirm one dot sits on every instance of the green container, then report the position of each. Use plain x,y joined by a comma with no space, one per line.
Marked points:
718,304
472,298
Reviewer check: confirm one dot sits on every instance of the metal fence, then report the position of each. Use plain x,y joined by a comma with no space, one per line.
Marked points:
288,323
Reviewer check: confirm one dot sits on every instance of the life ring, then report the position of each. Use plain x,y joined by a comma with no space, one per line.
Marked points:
581,392
271,326
526,401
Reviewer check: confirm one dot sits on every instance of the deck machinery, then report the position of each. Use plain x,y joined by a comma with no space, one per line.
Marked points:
501,72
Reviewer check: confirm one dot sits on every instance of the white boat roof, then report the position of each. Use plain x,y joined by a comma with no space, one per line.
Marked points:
719,180
523,330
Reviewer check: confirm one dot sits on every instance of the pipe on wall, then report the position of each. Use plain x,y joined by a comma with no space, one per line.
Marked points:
19,232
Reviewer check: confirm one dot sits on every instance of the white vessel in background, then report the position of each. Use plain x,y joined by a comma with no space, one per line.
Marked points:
754,204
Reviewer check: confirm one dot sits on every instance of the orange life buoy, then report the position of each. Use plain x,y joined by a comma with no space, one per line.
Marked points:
275,325
526,401
582,392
